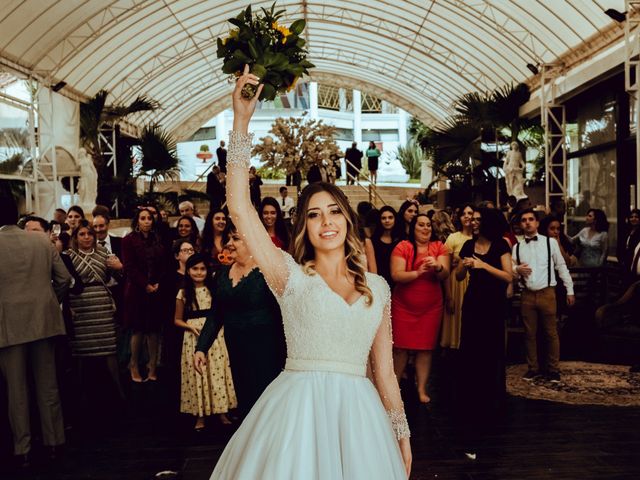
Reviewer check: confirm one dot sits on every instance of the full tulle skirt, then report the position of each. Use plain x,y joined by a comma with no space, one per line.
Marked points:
314,426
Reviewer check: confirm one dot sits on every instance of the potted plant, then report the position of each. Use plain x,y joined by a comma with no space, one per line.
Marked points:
204,154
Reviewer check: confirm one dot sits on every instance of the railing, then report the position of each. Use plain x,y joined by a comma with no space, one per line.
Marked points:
371,189
199,177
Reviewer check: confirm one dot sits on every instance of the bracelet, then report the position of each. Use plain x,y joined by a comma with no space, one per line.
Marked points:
239,154
399,424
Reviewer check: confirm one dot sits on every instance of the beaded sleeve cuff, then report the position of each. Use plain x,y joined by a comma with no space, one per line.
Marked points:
399,423
239,149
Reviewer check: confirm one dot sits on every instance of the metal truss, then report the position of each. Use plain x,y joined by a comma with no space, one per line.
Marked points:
107,145
632,78
553,118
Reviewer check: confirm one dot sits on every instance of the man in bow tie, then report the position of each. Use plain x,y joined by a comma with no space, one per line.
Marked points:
536,260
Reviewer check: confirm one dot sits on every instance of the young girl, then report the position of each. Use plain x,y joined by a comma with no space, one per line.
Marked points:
213,391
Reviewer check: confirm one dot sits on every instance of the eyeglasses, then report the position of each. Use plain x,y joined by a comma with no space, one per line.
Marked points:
187,250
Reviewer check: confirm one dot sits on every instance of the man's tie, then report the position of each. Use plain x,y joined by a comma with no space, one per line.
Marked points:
283,201
531,239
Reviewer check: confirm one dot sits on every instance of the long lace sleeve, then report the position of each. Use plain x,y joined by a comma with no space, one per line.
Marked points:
269,258
384,377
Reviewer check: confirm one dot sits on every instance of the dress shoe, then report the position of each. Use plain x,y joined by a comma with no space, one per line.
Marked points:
23,461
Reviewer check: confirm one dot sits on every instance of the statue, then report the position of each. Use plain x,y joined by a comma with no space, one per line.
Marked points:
513,171
88,184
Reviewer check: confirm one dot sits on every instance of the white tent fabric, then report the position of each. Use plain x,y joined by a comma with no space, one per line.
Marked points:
419,54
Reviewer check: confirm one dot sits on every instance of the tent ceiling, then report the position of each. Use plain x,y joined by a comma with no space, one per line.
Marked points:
418,54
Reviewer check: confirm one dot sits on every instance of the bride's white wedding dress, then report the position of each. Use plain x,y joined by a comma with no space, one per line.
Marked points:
322,418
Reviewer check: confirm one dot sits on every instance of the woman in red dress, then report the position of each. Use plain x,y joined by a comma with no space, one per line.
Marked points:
418,265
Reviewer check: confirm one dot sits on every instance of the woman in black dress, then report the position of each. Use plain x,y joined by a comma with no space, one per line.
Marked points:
386,235
253,331
480,369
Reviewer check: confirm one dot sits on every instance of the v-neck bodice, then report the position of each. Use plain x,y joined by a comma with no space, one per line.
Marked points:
322,330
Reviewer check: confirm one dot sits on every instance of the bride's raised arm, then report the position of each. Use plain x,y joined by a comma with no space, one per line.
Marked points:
269,258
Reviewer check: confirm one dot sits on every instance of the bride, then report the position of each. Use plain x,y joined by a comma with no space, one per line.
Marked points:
321,418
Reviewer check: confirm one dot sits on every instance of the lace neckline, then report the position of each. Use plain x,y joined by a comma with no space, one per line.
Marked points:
349,305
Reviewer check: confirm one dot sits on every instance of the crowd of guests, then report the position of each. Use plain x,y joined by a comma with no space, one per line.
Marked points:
166,291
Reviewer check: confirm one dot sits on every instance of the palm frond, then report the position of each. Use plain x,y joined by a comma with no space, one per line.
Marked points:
159,154
454,141
13,164
141,104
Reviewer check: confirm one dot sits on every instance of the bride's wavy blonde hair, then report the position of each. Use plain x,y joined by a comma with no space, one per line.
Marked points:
303,251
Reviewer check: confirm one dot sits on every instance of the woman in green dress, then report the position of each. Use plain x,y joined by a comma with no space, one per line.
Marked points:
373,154
244,305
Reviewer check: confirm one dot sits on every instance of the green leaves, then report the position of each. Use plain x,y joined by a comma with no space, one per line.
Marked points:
297,27
274,53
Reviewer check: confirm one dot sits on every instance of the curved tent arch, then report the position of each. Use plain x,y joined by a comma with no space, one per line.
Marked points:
166,50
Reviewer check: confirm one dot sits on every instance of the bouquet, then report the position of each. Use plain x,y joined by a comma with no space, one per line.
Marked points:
274,52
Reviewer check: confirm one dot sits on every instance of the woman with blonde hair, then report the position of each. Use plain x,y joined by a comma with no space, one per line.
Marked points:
442,225
321,417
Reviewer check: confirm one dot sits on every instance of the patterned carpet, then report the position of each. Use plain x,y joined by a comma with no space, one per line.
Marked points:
581,384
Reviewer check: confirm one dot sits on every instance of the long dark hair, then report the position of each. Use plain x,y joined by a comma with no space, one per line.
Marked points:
412,234
193,236
282,232
601,223
136,219
190,299
493,225
400,217
546,222
208,233
396,234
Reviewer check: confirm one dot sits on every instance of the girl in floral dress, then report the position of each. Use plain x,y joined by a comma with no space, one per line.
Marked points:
212,392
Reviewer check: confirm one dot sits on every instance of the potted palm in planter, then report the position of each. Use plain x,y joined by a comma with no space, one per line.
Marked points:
204,154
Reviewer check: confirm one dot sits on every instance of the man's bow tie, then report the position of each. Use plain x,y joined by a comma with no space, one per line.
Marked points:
531,239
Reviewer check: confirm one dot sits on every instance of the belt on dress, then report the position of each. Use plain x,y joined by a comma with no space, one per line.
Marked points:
299,364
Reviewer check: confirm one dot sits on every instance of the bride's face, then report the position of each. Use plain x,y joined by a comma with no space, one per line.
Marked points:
326,224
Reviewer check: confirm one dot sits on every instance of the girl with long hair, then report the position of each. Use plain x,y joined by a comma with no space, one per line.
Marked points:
418,265
186,227
210,390
335,314
386,235
480,364
212,237
408,210
593,239
144,262
454,289
273,221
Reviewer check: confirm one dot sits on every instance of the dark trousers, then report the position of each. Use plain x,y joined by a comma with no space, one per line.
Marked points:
13,366
540,307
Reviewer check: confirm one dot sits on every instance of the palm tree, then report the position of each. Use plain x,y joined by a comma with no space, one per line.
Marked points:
159,155
95,114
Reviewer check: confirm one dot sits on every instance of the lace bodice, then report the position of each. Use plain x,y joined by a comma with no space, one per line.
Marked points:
322,330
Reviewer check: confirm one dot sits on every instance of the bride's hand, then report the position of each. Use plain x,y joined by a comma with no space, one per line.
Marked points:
405,451
243,108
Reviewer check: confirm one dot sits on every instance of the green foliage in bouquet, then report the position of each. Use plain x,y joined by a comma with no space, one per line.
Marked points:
274,52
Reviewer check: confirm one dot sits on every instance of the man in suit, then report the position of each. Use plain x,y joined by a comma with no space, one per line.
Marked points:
353,156
114,247
221,153
32,280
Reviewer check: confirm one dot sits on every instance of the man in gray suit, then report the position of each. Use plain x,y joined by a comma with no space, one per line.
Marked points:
32,279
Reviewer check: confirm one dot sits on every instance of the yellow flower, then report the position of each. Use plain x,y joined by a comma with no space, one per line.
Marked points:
234,33
283,30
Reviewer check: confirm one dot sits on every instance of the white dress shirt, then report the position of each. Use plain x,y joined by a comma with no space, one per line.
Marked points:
107,243
534,253
636,260
286,205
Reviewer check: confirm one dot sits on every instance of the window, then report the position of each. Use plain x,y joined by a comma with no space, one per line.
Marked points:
380,136
204,133
591,183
